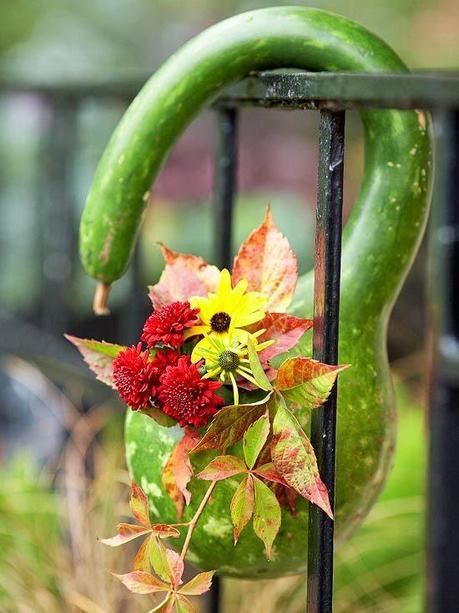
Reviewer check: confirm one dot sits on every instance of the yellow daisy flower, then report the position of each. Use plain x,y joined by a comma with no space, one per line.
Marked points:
228,310
226,358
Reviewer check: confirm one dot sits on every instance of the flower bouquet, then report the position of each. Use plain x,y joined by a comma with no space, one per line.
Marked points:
221,360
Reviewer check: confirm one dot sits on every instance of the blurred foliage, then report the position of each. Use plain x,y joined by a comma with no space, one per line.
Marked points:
50,560
61,39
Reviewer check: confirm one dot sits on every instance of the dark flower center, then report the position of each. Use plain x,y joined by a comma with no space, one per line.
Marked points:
228,360
220,322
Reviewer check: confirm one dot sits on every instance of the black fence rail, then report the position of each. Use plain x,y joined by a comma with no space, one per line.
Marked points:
331,94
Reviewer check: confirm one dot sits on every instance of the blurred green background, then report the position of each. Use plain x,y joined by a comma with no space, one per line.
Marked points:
67,72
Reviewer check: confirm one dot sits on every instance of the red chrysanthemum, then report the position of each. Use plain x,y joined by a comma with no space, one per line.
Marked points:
187,397
164,358
168,324
136,378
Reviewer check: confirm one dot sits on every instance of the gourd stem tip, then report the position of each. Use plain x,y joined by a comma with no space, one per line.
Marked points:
100,302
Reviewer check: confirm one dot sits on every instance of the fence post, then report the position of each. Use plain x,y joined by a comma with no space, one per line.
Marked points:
327,269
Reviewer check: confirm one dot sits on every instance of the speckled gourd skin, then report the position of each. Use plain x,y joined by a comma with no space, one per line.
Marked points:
379,244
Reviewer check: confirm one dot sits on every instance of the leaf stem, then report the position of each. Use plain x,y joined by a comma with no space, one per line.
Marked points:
196,516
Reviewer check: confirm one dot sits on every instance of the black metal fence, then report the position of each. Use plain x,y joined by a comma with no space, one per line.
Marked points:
331,95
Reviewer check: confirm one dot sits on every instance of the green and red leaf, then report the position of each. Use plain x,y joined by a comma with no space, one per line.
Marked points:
178,470
184,275
99,356
183,605
166,563
242,506
126,533
266,516
306,383
200,584
269,265
141,582
285,330
222,467
295,460
142,557
254,439
139,505
164,531
269,472
229,425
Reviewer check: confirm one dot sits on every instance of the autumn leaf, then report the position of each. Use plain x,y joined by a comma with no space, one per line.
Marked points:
142,557
229,425
178,470
165,606
141,582
126,533
268,264
295,460
99,356
184,275
306,383
254,439
200,584
183,605
166,563
242,505
222,467
266,516
285,331
269,472
139,505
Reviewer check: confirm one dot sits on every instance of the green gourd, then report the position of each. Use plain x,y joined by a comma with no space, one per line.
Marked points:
379,243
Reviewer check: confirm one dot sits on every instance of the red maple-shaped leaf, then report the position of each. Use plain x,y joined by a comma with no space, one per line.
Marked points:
178,470
269,265
295,460
184,275
99,356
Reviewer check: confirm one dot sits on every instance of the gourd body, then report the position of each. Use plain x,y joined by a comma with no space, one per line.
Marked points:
379,243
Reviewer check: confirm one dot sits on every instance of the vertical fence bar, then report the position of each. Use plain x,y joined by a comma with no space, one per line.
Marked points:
225,186
325,348
443,534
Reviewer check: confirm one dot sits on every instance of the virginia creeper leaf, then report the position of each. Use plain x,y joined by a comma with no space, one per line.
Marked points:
165,606
306,383
166,563
242,505
126,533
295,460
164,531
268,471
229,425
178,471
200,584
285,330
139,505
183,605
142,557
99,356
256,367
184,275
268,264
266,516
254,439
141,582
222,467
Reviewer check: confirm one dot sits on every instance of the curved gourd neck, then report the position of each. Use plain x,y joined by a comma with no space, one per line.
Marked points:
386,224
